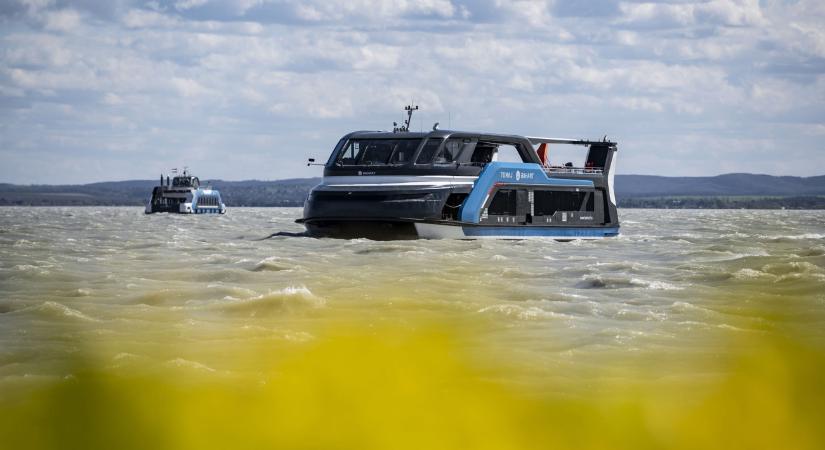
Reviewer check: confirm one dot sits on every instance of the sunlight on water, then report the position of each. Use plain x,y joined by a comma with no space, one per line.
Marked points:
694,329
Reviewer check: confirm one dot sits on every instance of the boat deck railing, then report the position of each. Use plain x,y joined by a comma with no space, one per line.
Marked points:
575,170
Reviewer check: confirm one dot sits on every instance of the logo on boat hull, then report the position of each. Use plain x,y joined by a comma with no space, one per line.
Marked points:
518,175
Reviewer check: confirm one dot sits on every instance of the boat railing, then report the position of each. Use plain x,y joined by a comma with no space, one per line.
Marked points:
574,170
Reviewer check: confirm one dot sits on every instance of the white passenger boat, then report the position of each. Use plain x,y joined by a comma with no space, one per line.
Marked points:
183,194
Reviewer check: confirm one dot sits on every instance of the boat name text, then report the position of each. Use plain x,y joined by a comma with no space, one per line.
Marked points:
517,175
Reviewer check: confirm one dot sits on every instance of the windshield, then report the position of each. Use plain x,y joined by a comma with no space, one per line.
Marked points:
182,182
377,152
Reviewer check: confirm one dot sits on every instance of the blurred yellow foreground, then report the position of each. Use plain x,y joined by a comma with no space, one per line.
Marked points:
389,389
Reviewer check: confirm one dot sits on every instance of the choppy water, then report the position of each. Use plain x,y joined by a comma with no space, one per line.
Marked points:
150,292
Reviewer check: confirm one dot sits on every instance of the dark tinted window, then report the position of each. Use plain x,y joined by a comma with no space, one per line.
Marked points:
181,182
483,153
428,152
546,203
503,203
377,152
449,153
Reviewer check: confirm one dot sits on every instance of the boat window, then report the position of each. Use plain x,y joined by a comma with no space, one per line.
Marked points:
597,156
546,203
448,152
483,153
377,152
427,153
404,150
503,203
508,153
452,150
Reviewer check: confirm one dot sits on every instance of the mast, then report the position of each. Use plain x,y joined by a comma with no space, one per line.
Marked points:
406,126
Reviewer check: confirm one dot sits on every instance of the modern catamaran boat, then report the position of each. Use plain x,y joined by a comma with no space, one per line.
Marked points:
183,194
455,184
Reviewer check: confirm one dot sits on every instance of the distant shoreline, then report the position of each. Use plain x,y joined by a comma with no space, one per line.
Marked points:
781,207
731,191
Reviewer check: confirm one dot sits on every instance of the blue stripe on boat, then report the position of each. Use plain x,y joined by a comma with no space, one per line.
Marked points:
539,231
510,174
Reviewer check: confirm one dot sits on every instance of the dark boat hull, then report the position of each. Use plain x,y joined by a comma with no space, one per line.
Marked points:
379,230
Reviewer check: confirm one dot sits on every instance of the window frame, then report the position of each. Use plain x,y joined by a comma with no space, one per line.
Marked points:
342,150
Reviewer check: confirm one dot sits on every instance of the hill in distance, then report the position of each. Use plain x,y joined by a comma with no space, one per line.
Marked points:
732,184
736,190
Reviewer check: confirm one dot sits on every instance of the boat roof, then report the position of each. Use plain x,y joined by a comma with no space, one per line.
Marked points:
367,134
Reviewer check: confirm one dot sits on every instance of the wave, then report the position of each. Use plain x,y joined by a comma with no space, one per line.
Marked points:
792,267
55,311
749,274
792,237
383,249
619,282
181,363
520,312
231,275
814,251
31,269
282,300
271,264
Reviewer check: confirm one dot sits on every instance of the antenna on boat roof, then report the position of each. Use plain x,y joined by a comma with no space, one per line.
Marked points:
405,127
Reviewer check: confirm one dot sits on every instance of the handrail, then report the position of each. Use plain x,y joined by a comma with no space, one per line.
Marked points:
549,140
584,170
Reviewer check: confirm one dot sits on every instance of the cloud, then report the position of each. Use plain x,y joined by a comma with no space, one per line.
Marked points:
183,5
65,20
714,12
592,8
686,87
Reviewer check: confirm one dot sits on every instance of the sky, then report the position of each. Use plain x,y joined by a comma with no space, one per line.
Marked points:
94,90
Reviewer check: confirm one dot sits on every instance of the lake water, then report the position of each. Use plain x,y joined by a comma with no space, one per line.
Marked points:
670,305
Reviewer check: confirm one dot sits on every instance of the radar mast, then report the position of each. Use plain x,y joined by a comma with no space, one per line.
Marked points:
405,127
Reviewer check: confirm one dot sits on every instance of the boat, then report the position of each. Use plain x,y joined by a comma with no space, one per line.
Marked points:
183,194
457,184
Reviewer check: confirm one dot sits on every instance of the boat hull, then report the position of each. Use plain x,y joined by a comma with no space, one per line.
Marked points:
472,231
366,228
377,229
506,201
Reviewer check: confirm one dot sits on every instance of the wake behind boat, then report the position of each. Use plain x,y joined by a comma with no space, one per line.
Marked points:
455,184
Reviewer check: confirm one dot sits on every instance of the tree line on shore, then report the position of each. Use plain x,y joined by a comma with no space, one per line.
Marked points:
734,191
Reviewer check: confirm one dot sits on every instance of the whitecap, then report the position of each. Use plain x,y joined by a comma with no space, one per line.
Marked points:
521,312
746,273
188,364
52,309
283,299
